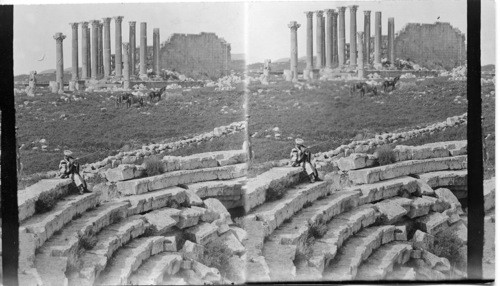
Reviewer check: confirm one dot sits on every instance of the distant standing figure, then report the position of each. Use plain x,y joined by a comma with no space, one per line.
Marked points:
70,168
301,156
30,90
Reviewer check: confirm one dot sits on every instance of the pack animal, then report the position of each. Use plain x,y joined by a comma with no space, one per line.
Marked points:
133,99
157,94
363,88
389,83
122,98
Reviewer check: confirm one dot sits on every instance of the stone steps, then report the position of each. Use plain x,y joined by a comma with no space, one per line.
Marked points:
431,150
256,188
356,250
444,178
405,168
61,250
156,200
170,179
129,258
228,192
28,197
39,228
274,213
382,261
109,240
175,163
156,267
385,189
402,273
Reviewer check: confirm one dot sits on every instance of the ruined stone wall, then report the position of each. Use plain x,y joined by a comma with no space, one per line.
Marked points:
431,45
203,55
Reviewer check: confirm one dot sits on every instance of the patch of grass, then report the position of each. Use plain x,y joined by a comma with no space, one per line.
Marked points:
88,242
154,166
217,255
318,230
307,204
385,155
273,194
448,245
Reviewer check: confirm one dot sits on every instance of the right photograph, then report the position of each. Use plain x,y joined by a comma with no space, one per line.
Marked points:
357,131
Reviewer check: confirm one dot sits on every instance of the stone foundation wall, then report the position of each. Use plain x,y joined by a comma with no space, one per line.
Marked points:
195,56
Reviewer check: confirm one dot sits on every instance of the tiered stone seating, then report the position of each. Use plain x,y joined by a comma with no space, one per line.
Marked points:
383,260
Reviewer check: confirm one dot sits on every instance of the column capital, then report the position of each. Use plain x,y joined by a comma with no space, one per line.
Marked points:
319,13
59,37
131,23
118,19
101,24
309,14
94,23
353,8
367,12
294,25
329,12
84,25
157,31
74,25
341,9
106,21
391,19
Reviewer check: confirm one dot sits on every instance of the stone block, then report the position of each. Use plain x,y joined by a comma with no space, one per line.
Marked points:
215,207
420,207
433,223
164,219
400,233
188,217
202,233
121,173
422,240
170,244
193,199
232,243
204,271
192,251
489,194
353,161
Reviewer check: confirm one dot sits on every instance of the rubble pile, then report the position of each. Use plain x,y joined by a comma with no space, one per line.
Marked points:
458,73
225,83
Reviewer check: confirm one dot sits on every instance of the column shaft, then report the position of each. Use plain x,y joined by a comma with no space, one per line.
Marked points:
93,59
378,38
74,51
323,40
85,48
59,37
142,56
329,38
107,46
100,70
309,44
319,38
390,37
352,49
126,68
335,47
341,36
156,51
132,49
89,51
366,51
118,46
293,49
361,68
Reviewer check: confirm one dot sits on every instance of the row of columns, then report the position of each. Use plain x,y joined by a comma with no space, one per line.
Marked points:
330,49
96,51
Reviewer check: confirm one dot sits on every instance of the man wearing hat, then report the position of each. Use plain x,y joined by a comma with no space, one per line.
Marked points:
69,167
300,155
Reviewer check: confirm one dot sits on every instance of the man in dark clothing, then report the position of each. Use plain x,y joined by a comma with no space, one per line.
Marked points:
301,156
70,168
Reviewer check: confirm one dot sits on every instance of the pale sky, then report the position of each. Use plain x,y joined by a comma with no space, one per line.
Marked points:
267,33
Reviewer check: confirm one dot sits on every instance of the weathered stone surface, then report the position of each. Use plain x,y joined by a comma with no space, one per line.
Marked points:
420,207
215,207
274,213
149,184
445,178
426,151
170,197
403,273
218,188
239,233
257,270
460,229
121,173
236,270
424,189
355,161
400,233
28,197
383,260
205,272
193,199
422,240
435,261
404,168
151,272
279,259
163,219
129,259
356,250
232,243
489,194
254,191
202,233
433,223
192,251
390,212
386,189
189,217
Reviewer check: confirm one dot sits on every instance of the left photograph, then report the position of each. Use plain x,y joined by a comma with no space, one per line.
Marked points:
131,125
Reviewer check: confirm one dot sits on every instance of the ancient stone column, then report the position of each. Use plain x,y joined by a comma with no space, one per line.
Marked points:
329,38
156,51
293,49
335,47
107,46
93,59
323,59
367,33
100,69
74,51
126,68
361,67
59,37
131,39
390,45
341,36
85,48
142,54
319,39
352,50
118,46
378,40
309,44
89,50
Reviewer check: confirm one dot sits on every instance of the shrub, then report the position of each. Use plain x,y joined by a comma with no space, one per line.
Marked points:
46,202
217,255
274,194
154,166
88,242
385,155
318,230
448,245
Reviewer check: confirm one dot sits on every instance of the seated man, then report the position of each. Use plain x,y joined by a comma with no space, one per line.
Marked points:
300,155
70,168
